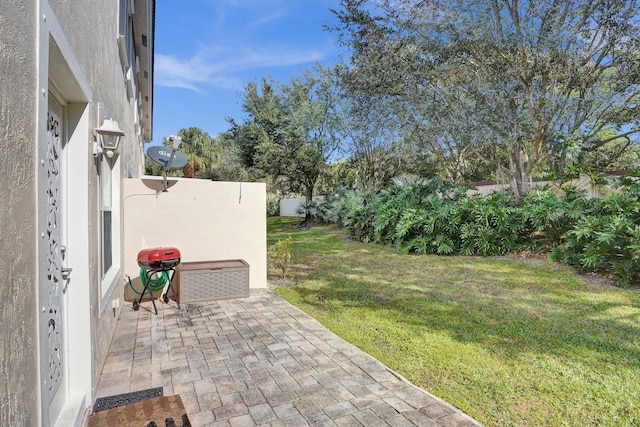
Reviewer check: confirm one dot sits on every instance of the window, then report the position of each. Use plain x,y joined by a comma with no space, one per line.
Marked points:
106,224
125,32
110,240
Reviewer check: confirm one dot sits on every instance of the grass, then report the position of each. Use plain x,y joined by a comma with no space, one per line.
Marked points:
510,342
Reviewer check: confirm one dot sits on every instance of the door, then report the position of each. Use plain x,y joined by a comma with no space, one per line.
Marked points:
54,273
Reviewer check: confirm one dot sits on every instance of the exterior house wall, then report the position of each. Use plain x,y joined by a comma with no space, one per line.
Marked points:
205,220
66,50
100,61
18,310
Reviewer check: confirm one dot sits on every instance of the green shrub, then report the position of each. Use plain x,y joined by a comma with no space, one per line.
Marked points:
410,215
273,205
434,217
607,238
489,225
280,255
428,229
547,218
339,207
342,208
359,215
305,207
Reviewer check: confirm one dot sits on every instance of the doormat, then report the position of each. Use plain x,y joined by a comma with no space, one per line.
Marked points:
109,402
164,411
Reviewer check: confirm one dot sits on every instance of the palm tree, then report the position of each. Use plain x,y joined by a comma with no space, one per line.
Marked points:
203,152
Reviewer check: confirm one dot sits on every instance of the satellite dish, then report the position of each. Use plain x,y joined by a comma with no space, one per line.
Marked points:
161,155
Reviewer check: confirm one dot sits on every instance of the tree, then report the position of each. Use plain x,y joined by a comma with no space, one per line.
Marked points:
542,81
203,155
202,151
373,138
292,130
230,167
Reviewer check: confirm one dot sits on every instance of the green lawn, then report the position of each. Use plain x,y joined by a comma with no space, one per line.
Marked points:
511,342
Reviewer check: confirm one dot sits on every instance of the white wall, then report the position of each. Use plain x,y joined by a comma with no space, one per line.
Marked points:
205,220
582,183
289,207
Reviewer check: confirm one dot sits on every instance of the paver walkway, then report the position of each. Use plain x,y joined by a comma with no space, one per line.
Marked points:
261,361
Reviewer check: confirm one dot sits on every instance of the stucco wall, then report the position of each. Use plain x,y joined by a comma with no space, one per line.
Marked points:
93,39
18,287
205,220
90,32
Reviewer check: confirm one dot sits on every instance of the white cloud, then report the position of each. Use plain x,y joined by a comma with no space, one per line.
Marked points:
223,67
237,40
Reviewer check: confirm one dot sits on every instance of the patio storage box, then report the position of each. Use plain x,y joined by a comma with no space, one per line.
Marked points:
212,280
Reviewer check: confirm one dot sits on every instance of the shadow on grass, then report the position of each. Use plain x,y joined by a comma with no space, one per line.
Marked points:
502,322
507,307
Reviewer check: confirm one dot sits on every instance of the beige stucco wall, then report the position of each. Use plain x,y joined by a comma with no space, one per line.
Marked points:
205,220
94,41
18,309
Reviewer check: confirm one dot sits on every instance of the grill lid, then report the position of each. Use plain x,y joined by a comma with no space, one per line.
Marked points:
157,258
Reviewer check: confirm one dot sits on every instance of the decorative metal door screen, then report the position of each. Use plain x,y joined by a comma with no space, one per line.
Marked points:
54,282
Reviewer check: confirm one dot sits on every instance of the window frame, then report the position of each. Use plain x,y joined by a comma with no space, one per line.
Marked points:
109,201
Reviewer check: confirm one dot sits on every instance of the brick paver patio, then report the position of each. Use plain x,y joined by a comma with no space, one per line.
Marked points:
259,361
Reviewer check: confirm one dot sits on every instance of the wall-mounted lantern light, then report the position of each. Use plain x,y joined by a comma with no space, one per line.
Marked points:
109,135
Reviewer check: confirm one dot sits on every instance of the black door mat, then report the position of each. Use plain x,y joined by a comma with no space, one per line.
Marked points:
110,402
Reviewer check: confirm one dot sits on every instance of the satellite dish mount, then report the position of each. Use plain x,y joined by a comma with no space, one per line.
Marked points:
168,159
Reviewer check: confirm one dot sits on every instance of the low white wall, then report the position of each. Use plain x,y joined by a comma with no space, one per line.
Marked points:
582,183
289,207
205,220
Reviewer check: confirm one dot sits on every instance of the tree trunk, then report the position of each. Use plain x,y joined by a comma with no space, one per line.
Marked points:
520,170
308,201
189,171
521,184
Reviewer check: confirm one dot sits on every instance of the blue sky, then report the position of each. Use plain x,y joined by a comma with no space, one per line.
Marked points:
207,50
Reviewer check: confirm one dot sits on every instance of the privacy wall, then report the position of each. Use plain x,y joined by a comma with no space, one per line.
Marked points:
205,220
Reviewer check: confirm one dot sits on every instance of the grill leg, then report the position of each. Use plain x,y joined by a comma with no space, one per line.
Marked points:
153,299
175,294
147,288
136,304
171,272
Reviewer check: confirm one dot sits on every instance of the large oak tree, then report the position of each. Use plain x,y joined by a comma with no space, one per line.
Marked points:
541,81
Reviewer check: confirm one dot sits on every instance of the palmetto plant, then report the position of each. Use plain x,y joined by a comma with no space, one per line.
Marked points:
547,217
489,225
432,217
607,238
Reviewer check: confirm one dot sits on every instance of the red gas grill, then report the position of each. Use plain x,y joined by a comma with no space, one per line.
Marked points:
158,260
